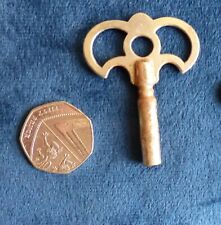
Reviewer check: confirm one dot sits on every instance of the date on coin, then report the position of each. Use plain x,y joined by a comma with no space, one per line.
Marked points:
57,137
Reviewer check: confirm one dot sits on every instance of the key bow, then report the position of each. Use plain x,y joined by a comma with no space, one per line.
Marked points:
141,25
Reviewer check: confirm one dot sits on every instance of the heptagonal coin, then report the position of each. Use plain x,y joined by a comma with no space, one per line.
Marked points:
57,137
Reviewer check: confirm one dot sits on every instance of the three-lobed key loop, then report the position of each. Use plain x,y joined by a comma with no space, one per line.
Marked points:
141,25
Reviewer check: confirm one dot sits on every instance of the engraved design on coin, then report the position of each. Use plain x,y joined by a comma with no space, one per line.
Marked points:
57,137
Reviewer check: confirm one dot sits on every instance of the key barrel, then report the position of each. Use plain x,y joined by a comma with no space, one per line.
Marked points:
145,79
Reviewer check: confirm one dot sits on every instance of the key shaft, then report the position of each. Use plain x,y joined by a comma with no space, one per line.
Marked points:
145,79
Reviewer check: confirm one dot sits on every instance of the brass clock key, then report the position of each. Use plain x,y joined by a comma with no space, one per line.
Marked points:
143,71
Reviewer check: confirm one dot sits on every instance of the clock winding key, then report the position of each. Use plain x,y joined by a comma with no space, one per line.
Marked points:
143,71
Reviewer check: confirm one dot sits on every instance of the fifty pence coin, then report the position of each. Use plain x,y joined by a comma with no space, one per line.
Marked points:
57,137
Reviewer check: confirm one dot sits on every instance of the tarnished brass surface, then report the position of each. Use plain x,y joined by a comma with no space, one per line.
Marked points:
57,137
145,79
143,71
